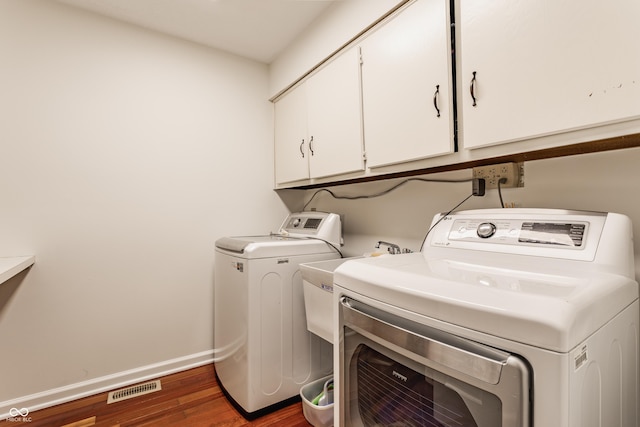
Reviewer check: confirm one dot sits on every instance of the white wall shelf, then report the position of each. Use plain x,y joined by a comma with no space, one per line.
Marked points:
11,266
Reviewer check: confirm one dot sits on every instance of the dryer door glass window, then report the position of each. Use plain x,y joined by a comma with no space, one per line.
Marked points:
391,394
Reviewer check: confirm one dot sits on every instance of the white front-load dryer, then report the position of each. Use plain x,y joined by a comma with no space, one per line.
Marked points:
263,351
509,317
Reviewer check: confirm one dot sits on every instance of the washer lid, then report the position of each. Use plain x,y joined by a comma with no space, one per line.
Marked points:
273,245
545,304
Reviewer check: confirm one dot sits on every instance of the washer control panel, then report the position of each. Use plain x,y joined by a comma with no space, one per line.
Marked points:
319,225
303,223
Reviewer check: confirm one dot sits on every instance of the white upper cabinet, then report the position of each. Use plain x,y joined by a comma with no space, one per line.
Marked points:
545,67
335,117
318,124
291,141
529,75
406,86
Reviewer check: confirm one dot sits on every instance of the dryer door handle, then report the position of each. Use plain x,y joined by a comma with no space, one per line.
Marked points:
486,366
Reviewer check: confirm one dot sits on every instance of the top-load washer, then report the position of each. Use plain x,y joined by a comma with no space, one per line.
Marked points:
264,353
510,317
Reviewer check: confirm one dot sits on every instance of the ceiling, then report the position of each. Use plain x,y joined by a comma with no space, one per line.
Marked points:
255,29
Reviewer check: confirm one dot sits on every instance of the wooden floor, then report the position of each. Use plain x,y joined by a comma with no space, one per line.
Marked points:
189,398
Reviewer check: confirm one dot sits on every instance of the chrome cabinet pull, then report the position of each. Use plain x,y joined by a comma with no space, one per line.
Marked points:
472,89
311,145
302,148
435,100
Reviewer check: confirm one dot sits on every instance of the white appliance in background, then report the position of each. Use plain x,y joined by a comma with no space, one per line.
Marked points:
511,318
264,353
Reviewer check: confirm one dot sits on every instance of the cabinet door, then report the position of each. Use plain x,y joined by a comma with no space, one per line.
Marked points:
405,81
335,117
547,66
291,143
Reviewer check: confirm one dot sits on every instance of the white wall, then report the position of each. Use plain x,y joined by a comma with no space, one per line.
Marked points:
124,155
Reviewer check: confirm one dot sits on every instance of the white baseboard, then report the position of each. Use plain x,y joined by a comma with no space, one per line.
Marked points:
56,396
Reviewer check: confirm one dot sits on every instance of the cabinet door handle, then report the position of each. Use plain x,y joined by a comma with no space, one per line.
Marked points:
472,89
311,145
302,148
435,100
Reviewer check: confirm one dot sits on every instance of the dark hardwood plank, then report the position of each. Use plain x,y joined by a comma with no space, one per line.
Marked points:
188,398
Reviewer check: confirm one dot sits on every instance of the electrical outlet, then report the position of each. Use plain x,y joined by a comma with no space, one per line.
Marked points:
512,172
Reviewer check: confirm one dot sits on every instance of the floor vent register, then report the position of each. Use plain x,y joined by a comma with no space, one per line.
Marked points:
134,391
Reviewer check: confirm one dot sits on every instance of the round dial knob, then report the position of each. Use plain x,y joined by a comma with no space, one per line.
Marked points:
486,230
296,222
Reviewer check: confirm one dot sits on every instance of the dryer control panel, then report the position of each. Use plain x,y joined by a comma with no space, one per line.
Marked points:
551,233
565,234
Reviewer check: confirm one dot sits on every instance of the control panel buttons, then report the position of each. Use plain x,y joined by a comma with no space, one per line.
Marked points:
486,230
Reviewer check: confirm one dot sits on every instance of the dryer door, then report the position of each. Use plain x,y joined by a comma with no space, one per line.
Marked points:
399,372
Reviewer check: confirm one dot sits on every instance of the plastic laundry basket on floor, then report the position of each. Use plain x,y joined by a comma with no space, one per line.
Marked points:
317,416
